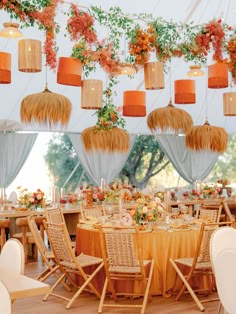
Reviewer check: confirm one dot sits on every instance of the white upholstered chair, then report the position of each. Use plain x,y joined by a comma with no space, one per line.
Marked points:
12,257
5,300
223,257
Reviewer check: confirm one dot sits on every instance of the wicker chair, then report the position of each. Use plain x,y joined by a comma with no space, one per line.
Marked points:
91,212
47,255
199,265
26,237
55,215
4,224
5,300
123,261
69,263
209,213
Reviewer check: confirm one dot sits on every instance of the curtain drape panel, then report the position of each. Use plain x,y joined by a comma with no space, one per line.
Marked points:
191,165
100,164
14,150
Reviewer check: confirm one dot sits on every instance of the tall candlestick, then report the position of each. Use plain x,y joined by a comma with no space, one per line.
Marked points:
102,184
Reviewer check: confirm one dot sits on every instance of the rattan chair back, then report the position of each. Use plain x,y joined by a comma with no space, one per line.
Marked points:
70,263
92,212
123,260
209,213
54,215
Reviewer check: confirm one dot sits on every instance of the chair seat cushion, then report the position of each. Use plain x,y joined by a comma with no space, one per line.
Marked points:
29,237
188,261
84,260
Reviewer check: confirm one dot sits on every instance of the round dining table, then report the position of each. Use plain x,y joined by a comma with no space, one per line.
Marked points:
161,245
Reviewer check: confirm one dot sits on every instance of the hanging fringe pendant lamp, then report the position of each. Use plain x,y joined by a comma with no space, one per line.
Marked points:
69,71
29,55
91,94
154,75
185,92
112,140
134,103
5,68
168,119
46,108
11,30
207,137
229,100
218,75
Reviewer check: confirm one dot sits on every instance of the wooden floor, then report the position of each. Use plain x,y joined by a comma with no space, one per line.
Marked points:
88,304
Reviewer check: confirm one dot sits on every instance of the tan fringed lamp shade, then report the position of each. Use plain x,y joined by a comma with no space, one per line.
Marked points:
91,94
5,68
29,55
112,140
154,75
46,108
229,104
169,118
207,137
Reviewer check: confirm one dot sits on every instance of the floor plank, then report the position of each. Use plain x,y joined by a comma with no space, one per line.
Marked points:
88,303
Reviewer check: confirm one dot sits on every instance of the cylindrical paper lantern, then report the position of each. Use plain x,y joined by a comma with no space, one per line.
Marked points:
91,94
185,92
5,68
154,75
29,55
218,75
229,104
69,71
134,103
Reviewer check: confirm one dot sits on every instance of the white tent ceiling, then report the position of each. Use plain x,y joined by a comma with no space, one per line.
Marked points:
208,100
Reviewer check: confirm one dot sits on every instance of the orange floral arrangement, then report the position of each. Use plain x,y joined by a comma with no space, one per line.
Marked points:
231,48
80,24
142,43
212,34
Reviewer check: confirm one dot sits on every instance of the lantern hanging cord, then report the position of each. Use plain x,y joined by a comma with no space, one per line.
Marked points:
206,93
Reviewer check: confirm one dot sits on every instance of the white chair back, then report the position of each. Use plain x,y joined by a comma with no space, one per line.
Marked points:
12,257
223,257
12,197
5,300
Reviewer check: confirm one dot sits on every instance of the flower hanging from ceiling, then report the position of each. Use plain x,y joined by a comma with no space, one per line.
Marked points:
141,44
231,47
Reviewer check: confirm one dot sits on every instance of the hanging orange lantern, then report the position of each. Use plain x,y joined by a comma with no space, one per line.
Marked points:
154,75
185,92
218,75
5,68
229,104
91,94
29,55
69,71
134,103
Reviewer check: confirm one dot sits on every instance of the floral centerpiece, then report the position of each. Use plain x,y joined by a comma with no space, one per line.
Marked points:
209,191
30,199
146,211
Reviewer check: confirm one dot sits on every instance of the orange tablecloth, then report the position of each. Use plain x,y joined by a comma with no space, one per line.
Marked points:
160,245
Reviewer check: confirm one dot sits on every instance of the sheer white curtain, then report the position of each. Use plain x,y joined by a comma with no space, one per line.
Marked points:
190,165
100,164
14,150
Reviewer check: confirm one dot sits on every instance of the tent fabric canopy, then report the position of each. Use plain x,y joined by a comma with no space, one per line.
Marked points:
190,165
99,164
